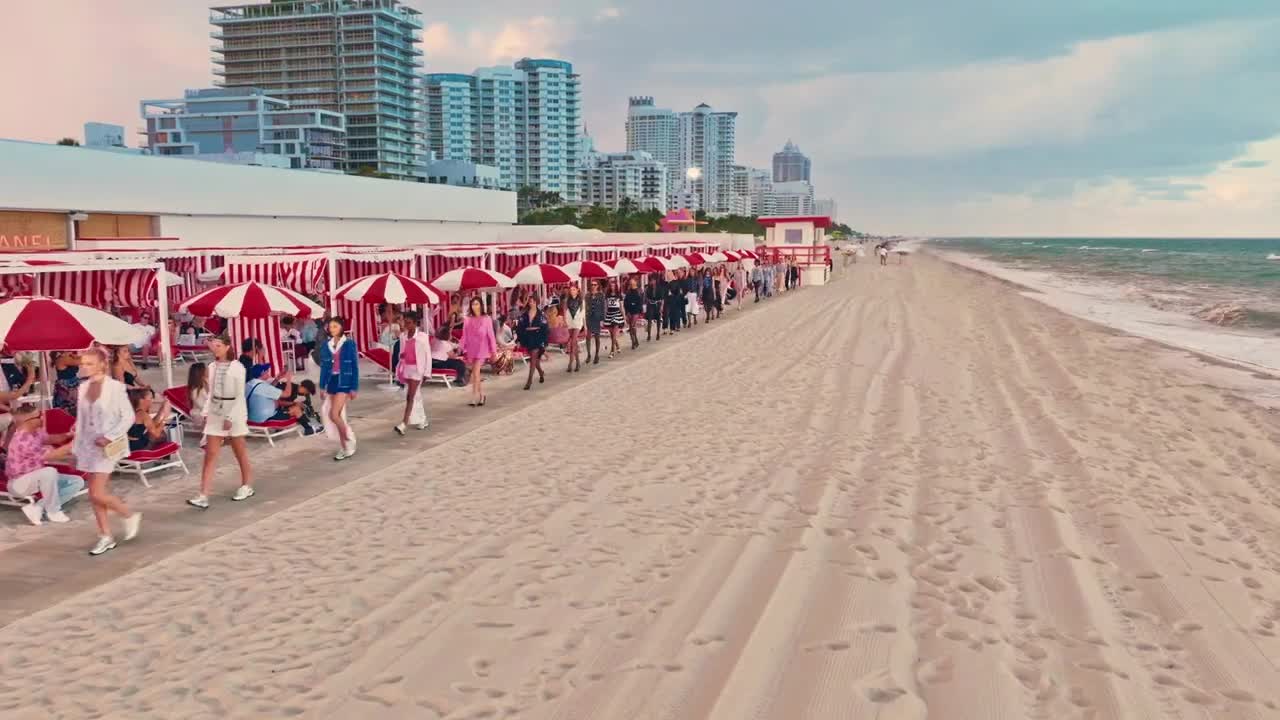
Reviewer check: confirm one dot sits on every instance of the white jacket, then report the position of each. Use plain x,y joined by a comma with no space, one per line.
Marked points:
422,353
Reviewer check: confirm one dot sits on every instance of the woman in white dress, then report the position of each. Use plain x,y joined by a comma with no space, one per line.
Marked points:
103,417
226,419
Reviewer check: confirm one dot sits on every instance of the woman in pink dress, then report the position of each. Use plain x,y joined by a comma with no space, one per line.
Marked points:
478,347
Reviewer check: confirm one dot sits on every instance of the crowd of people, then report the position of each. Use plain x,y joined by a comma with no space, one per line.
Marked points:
117,414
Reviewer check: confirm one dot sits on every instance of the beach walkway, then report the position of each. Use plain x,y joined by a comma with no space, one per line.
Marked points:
912,493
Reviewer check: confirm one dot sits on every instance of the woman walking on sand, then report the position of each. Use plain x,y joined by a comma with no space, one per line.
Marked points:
614,318
226,420
633,304
479,345
415,364
654,295
575,318
532,332
103,418
340,382
595,318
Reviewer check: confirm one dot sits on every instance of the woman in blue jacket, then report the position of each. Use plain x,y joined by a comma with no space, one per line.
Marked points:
340,381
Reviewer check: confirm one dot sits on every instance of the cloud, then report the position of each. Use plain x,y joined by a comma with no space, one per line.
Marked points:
448,50
609,13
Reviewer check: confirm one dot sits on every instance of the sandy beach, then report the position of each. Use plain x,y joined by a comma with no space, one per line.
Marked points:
912,493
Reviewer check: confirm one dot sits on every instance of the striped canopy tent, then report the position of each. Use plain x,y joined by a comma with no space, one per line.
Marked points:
265,329
438,261
363,322
562,255
509,260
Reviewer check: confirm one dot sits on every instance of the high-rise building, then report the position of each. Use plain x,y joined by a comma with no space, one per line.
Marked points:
359,58
707,145
608,178
790,165
446,99
656,131
241,126
697,147
789,198
751,187
825,207
523,120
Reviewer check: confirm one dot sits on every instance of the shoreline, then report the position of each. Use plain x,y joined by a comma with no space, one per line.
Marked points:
1169,330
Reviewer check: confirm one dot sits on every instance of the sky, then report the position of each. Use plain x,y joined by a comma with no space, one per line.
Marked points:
932,117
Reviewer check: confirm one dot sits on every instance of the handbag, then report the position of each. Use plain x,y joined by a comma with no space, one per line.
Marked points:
117,449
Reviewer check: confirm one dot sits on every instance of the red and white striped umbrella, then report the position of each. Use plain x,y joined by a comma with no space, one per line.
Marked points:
748,254
470,278
679,262
731,255
654,263
627,266
543,274
250,300
391,288
214,275
695,259
32,324
717,257
591,269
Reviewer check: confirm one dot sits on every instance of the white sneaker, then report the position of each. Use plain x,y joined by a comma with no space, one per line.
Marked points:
33,513
199,501
400,429
131,526
351,446
105,543
244,492
341,455
424,424
58,517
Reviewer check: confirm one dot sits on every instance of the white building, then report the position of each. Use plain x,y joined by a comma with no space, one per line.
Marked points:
751,188
103,135
686,198
242,126
702,141
789,199
825,207
523,120
707,143
608,178
656,131
462,173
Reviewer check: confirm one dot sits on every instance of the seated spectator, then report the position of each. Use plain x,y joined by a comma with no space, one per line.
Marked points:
66,366
9,398
444,354
557,328
30,449
308,331
197,393
266,401
504,359
123,368
308,417
149,428
251,353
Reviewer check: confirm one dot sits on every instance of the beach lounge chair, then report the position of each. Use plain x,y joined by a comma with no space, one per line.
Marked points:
380,356
270,430
441,376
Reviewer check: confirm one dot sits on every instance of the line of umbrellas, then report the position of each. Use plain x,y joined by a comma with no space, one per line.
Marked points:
41,324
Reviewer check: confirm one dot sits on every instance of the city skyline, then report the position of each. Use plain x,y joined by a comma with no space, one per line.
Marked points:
1054,120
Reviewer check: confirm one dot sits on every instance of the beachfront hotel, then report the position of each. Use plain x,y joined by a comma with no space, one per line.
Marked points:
523,120
359,58
245,126
610,178
697,147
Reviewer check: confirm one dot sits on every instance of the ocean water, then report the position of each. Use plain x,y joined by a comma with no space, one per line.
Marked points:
1229,283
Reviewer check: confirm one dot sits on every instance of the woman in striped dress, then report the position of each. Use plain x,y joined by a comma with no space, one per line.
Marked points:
614,318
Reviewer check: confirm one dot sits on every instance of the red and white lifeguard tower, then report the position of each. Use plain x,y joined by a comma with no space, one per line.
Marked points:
802,239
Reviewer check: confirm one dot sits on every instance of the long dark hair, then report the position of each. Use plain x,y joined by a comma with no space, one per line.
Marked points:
197,377
342,323
471,305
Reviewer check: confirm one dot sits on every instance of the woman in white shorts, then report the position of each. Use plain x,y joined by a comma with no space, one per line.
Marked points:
103,417
226,415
